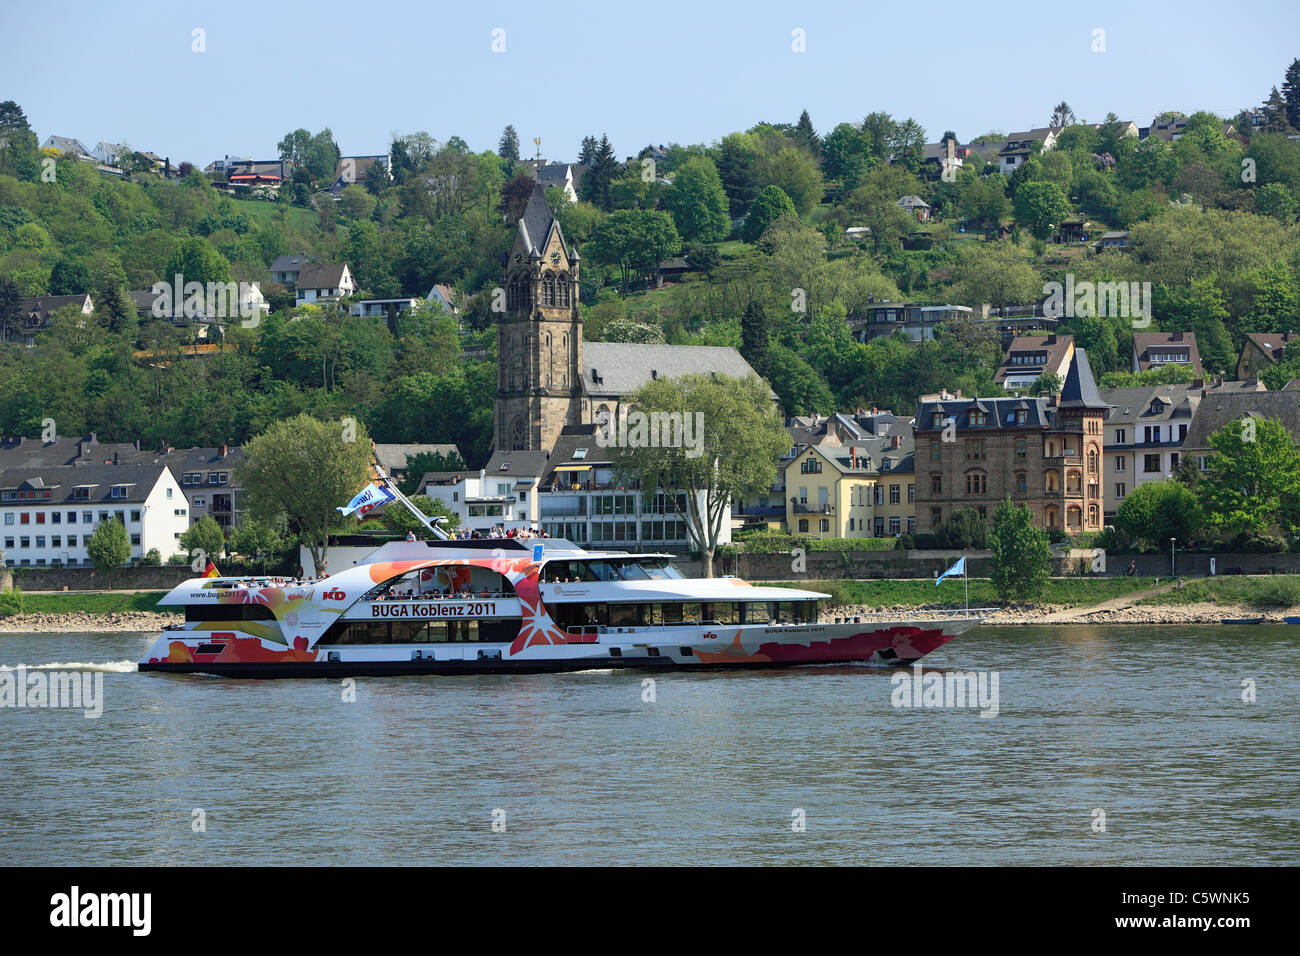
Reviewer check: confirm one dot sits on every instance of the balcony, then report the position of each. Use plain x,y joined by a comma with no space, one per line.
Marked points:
803,508
1060,461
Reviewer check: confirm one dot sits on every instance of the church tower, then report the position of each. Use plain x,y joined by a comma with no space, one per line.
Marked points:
539,335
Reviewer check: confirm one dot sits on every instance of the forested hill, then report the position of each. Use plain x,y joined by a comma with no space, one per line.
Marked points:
756,222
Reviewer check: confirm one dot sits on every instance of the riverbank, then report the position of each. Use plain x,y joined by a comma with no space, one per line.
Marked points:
1054,614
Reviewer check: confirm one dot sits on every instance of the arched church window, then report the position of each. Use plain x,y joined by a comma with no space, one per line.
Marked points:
519,440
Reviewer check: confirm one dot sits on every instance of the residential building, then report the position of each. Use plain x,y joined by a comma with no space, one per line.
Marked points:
1020,146
259,172
108,153
388,309
1031,356
503,493
47,515
974,452
67,145
36,312
207,478
861,490
566,176
357,170
1218,408
1260,350
445,296
219,167
915,320
285,269
393,457
1157,349
1116,239
324,281
917,207
1144,436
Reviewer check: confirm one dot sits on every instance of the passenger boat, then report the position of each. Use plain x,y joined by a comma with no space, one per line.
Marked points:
514,605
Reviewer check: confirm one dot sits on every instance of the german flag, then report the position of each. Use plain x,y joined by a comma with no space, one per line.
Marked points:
211,571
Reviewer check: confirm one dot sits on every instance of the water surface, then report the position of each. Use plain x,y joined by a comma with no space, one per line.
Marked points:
1145,723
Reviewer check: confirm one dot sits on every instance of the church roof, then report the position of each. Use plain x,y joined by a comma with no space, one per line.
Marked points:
617,368
1080,391
537,222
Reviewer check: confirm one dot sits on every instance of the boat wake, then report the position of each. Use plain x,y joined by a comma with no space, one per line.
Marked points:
106,667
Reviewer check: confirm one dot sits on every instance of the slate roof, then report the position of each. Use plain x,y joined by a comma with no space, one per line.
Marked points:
321,275
1146,342
1272,344
1219,408
1000,411
573,437
1132,406
288,263
43,306
520,463
618,368
30,453
1080,390
1056,346
536,223
63,480
393,457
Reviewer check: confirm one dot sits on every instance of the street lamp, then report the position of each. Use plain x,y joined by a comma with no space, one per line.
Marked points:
1171,556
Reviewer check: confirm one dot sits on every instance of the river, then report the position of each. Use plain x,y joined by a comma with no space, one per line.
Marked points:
1146,725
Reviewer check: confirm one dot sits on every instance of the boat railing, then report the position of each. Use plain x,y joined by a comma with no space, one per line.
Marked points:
926,614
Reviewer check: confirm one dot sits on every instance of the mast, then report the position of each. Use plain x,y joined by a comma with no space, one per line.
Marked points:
420,516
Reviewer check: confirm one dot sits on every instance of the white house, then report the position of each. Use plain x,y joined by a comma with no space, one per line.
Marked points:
66,145
108,153
47,515
321,281
445,296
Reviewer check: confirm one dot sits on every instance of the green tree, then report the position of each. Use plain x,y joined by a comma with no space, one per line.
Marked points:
1049,383
772,203
421,463
1157,511
109,546
1253,481
601,170
305,469
732,457
995,273
874,204
796,174
394,517
635,240
1041,206
844,155
698,202
756,337
204,540
1022,555
197,260
508,147
256,539
964,529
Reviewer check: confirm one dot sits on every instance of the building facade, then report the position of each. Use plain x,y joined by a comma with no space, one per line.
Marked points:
47,516
973,453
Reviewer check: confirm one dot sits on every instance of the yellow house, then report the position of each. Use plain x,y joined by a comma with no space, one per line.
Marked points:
861,490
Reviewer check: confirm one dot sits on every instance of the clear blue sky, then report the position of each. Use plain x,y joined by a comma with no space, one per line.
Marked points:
642,72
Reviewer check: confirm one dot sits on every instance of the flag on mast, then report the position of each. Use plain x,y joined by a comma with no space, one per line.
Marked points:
211,571
958,568
370,498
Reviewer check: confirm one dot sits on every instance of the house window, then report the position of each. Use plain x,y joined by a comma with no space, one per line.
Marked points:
811,466
56,517
1022,416
135,516
911,494
1150,463
976,483
825,525
936,452
803,524
169,492
975,418
9,517
974,449
56,541
895,494
936,517
895,525
936,484
40,517
1120,489
1022,483
1121,436
1203,462
24,518
40,541
878,494
1121,463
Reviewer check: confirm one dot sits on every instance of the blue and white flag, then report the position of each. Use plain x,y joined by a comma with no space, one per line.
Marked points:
958,568
370,498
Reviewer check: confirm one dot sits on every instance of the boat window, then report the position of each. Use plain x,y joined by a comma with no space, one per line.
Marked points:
471,630
632,571
228,612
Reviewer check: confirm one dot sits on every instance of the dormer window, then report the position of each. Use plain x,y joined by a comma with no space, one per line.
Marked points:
579,454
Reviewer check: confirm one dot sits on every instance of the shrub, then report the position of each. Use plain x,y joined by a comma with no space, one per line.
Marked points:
153,558
1278,592
964,529
904,542
11,602
1263,544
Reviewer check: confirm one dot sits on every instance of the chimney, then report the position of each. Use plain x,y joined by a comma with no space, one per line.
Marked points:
116,458
1051,339
222,451
895,441
853,457
1178,336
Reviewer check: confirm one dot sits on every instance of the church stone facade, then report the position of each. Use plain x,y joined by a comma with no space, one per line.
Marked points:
539,335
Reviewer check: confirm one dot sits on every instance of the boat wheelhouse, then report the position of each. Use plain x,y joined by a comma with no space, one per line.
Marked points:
517,606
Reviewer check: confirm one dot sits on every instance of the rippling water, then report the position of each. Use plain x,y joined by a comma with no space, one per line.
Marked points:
1147,724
